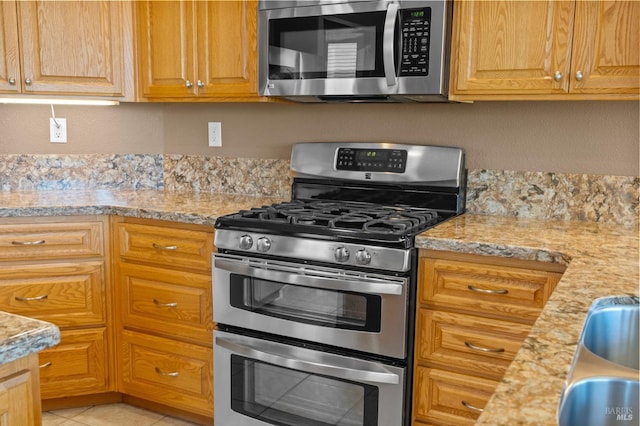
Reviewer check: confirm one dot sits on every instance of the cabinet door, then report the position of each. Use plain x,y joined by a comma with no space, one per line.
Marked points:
606,47
166,49
511,47
72,47
9,59
19,395
227,56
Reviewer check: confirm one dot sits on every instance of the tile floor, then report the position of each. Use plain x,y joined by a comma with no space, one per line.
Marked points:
108,415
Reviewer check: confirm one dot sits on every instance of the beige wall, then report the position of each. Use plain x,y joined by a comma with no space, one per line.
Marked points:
569,137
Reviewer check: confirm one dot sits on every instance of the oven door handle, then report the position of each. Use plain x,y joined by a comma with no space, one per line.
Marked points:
295,277
267,353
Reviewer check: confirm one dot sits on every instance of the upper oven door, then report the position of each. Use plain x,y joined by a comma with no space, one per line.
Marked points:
353,310
367,48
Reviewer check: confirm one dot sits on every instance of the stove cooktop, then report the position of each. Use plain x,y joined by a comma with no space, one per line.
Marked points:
358,220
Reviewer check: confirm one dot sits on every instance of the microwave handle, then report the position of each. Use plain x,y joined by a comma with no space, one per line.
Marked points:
388,44
272,355
294,277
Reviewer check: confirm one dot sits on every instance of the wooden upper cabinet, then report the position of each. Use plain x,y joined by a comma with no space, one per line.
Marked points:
551,49
196,50
66,48
10,76
606,50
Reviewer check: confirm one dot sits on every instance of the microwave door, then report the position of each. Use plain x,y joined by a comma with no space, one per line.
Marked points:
388,46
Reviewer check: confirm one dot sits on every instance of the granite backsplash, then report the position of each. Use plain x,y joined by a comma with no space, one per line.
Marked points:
561,196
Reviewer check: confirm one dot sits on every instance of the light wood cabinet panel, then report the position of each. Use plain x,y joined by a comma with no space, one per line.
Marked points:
73,47
545,50
78,365
497,291
165,246
19,395
54,269
167,371
10,76
67,294
451,399
473,313
151,298
194,50
477,345
606,50
511,46
50,240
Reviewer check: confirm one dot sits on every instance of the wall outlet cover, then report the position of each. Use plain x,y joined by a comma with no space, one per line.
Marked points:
57,130
215,133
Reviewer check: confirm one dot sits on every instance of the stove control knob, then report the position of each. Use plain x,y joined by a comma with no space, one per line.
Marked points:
363,257
246,242
263,244
341,254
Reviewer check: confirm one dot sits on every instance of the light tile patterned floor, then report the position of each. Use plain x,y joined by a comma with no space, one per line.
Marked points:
108,415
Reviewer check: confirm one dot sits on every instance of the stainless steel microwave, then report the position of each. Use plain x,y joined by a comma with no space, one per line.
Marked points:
347,50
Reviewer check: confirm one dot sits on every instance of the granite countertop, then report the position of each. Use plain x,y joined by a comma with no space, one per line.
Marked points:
602,260
21,336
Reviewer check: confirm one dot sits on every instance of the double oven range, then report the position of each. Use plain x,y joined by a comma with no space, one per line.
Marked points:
314,297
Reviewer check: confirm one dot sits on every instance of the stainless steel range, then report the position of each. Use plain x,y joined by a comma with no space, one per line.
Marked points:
314,297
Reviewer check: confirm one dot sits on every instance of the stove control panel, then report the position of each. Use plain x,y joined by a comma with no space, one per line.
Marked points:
371,160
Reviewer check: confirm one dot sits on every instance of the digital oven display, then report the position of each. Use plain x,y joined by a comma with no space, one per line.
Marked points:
372,160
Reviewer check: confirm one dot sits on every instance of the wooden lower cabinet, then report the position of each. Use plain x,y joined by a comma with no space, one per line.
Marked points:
77,365
19,395
450,398
167,371
473,313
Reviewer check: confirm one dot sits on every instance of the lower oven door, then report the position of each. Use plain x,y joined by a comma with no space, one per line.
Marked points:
348,309
260,382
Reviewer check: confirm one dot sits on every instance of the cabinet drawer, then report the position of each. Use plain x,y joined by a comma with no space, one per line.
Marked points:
77,366
490,290
165,246
166,301
167,371
477,345
449,399
36,241
67,294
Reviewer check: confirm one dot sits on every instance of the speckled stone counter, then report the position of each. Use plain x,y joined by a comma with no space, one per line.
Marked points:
189,207
21,336
602,260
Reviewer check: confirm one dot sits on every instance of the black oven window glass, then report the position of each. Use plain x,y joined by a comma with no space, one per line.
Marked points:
286,397
309,305
329,46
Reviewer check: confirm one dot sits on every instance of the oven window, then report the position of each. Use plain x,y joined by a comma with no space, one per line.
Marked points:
329,46
285,397
309,305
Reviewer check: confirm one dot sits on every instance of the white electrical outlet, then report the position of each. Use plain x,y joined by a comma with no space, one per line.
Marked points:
58,130
215,133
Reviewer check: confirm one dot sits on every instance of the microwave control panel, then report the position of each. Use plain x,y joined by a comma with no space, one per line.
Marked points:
372,160
415,26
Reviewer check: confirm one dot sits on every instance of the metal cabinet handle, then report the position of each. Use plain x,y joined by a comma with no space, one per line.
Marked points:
200,84
172,374
487,291
27,82
46,364
165,305
188,84
28,243
472,407
12,81
481,349
557,76
161,247
28,299
579,76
